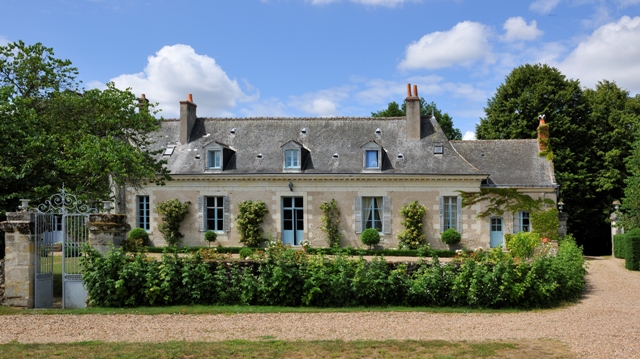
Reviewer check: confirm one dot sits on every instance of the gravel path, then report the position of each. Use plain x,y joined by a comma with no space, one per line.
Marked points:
604,324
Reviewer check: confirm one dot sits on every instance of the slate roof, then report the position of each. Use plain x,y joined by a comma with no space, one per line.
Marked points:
324,137
513,163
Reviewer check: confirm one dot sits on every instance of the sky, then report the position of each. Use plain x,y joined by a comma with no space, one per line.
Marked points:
309,58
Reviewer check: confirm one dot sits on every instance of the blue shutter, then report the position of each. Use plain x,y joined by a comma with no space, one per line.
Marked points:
386,215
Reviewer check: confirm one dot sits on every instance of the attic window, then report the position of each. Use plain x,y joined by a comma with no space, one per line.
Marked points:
233,131
259,155
438,149
169,151
378,131
372,157
304,131
335,155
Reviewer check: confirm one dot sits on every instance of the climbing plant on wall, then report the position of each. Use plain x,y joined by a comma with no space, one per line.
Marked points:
330,222
502,200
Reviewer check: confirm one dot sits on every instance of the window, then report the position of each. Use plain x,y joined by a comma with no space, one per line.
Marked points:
451,213
438,149
521,222
215,213
214,159
143,212
291,159
372,159
372,213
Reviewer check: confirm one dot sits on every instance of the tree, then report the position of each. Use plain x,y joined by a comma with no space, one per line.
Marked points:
588,131
426,109
54,133
631,201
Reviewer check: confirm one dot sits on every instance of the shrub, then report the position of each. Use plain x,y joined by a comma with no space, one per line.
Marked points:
451,236
173,212
370,237
413,235
546,223
507,238
245,252
136,241
331,222
210,236
249,220
620,246
632,258
522,244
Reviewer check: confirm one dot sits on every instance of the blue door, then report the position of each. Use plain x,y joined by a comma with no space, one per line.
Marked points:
497,237
292,221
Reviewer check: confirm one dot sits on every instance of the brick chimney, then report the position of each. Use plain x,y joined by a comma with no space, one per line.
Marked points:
412,103
543,134
187,119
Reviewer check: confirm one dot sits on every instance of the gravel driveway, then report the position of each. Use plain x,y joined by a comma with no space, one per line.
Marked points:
604,324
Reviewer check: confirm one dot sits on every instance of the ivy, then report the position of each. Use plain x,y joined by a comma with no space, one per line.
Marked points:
174,213
501,200
413,236
546,223
331,222
249,221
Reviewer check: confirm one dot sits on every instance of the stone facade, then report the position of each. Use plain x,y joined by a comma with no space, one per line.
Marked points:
19,259
106,230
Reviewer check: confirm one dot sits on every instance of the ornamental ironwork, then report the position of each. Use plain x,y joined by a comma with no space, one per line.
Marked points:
65,203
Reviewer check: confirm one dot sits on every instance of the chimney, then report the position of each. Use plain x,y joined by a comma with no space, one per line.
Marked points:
187,119
412,103
543,134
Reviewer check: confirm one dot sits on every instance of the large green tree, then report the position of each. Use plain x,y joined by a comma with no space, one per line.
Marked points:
53,133
426,109
589,137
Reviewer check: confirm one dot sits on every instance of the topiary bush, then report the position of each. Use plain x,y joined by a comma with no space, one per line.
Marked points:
249,221
620,246
136,241
413,236
173,212
523,244
210,236
632,246
451,236
370,237
245,252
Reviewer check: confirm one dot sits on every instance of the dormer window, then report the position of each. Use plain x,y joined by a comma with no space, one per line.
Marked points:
218,156
294,156
372,156
438,149
292,159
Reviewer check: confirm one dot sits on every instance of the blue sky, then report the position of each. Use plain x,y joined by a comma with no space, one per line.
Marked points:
300,58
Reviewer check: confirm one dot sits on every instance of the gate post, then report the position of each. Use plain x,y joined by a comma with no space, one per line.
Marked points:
106,230
19,269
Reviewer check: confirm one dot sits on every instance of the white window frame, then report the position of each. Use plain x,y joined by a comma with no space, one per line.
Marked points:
374,205
223,202
371,146
143,212
384,212
292,158
519,222
211,157
218,213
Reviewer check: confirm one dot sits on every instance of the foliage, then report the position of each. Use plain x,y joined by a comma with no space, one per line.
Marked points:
501,200
210,236
451,236
331,222
53,134
522,244
288,277
507,238
632,246
249,220
591,133
620,245
413,236
631,200
426,109
245,252
546,223
173,212
370,237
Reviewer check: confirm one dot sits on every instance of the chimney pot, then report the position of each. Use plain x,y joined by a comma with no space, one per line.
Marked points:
415,90
413,114
408,90
190,98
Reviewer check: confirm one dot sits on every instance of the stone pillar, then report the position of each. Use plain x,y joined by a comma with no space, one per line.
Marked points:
19,278
106,230
562,225
614,229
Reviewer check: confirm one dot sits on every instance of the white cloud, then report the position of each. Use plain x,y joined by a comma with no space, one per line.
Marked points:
322,103
271,107
611,52
386,3
178,70
3,40
469,136
543,6
625,3
95,84
464,44
518,30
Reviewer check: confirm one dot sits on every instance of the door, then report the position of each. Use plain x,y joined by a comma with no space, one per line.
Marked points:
497,234
292,220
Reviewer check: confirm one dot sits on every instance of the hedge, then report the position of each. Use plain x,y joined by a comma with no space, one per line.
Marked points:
330,251
632,258
620,246
285,277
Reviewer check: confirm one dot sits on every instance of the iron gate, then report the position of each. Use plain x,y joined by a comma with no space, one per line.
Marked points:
65,219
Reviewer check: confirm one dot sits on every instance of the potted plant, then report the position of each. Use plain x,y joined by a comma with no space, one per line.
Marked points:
451,237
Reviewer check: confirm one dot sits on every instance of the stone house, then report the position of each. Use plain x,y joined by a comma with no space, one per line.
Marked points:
371,166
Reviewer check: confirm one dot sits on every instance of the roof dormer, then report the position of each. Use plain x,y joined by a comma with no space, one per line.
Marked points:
218,156
294,156
371,157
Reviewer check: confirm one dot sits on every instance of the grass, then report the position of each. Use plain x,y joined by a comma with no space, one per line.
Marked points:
268,348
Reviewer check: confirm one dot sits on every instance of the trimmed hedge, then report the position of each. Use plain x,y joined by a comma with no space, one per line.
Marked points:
620,246
329,251
632,258
286,277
